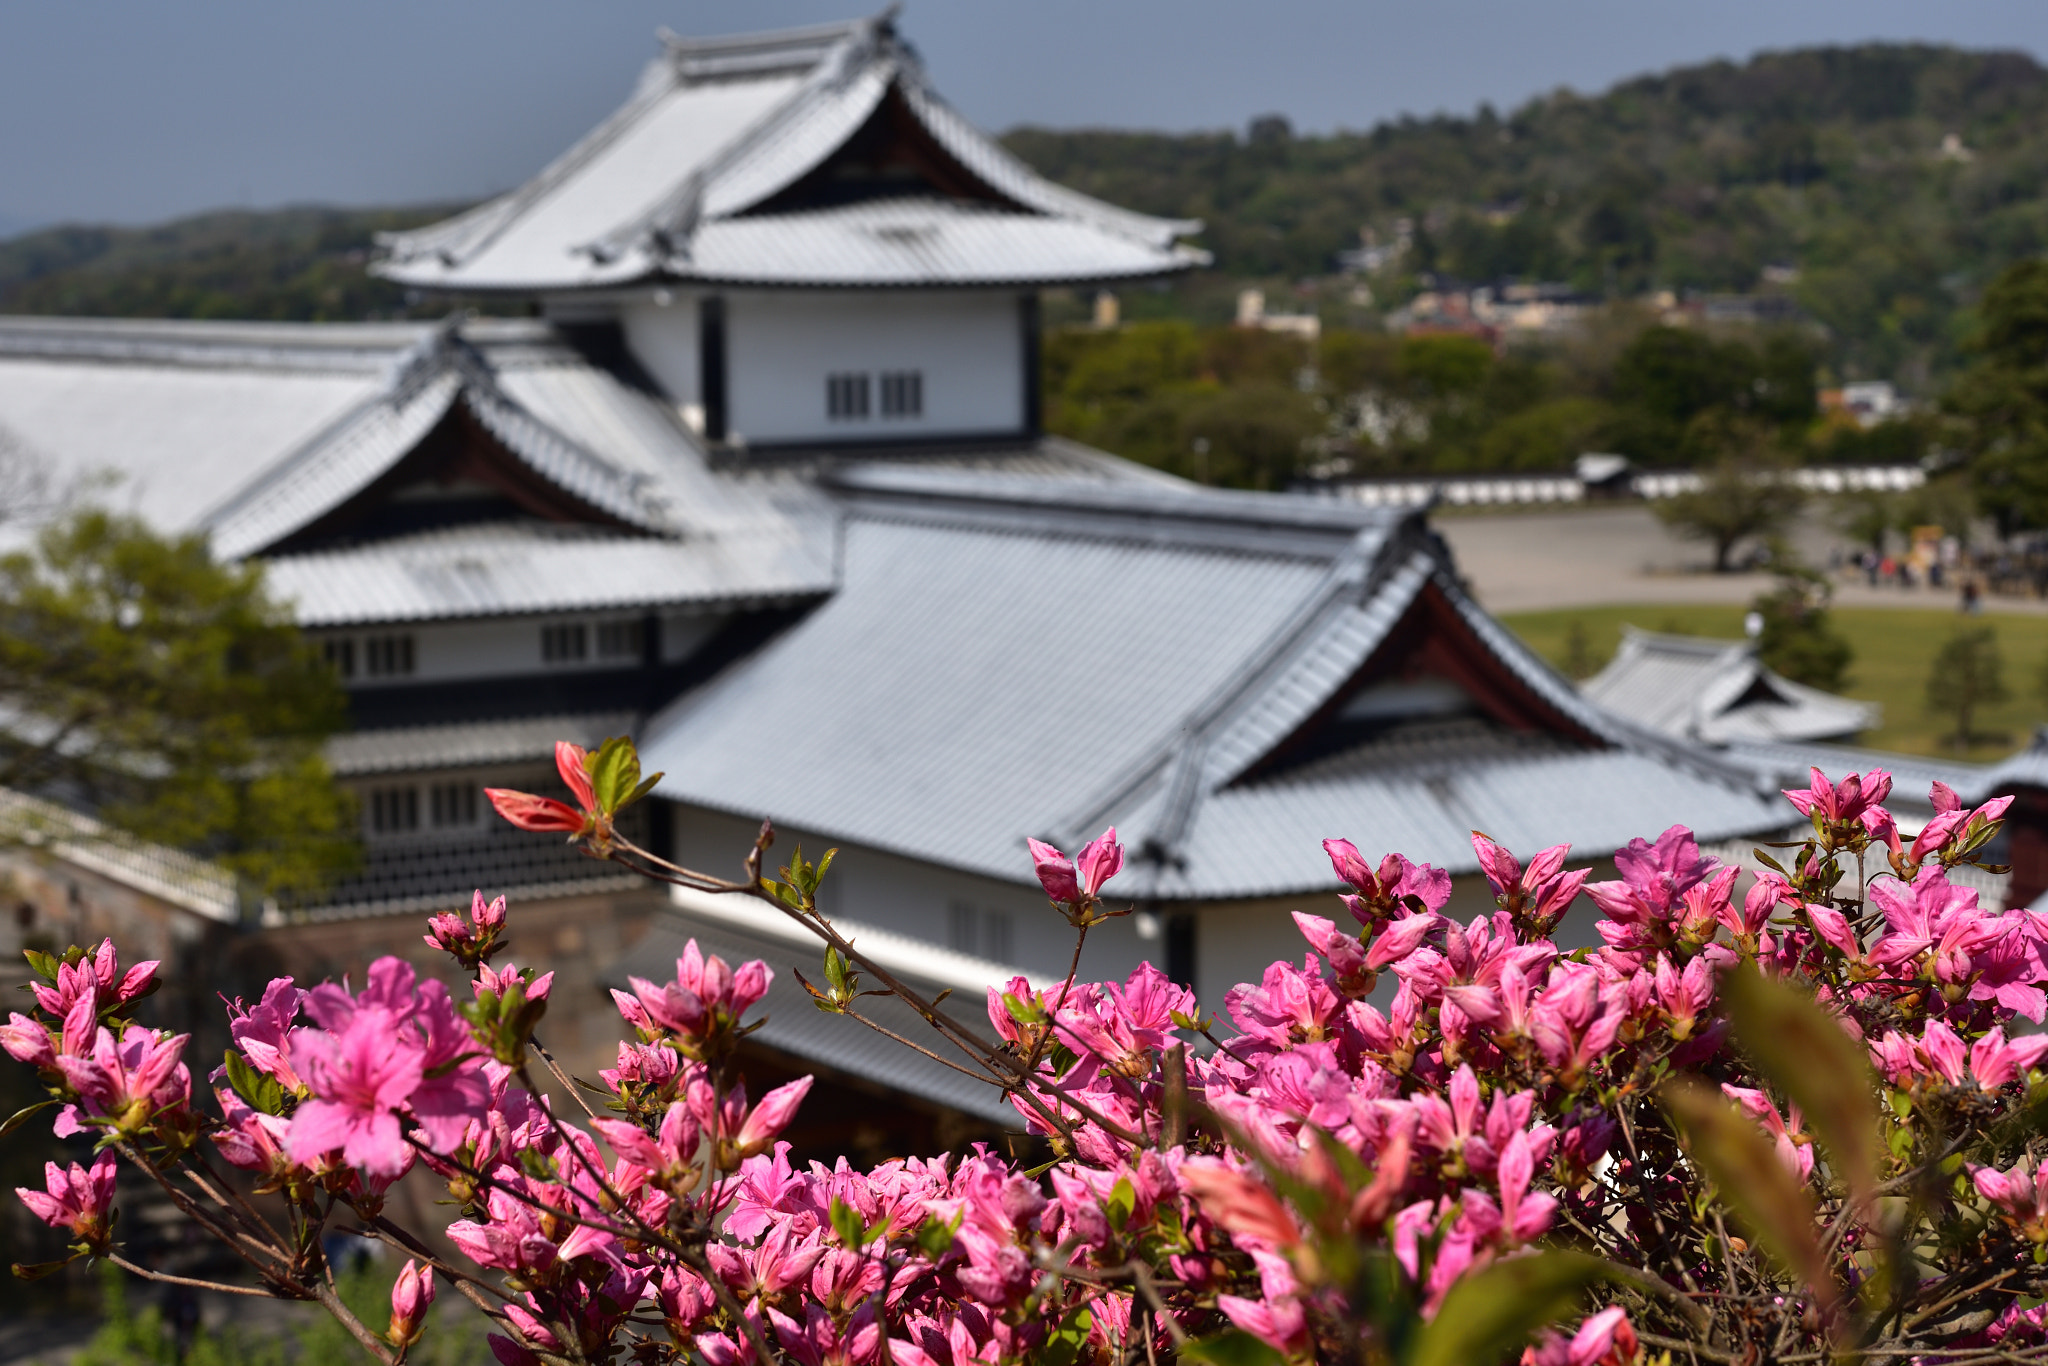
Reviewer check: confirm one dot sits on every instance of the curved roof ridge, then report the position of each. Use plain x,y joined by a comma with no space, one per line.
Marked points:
664,228
340,458
453,240
1013,176
355,449
1183,759
553,454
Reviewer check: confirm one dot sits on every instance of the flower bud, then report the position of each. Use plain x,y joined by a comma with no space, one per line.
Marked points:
411,1295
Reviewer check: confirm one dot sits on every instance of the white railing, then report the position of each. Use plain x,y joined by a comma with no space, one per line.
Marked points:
194,884
1502,490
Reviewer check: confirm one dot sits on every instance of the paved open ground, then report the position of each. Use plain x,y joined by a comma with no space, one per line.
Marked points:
1588,556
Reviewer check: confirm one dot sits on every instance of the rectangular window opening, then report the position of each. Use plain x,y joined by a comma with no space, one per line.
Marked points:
340,656
846,396
960,927
995,936
394,810
452,805
621,639
388,656
564,643
903,393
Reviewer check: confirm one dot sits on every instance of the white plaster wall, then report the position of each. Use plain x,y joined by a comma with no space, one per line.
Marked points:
1234,941
781,346
502,646
912,897
663,338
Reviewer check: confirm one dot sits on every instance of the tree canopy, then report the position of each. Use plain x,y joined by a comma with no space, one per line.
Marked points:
171,696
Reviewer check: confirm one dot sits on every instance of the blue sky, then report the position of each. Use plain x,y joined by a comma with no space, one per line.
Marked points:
138,110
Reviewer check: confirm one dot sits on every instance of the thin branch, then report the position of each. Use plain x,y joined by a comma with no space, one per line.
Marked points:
168,1279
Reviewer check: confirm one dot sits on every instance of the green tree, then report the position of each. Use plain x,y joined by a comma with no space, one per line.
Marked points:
1998,408
1738,499
170,695
1967,676
1798,640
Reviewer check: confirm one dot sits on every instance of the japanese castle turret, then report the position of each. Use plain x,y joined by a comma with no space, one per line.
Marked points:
801,244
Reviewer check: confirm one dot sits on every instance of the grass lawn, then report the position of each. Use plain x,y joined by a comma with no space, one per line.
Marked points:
1894,648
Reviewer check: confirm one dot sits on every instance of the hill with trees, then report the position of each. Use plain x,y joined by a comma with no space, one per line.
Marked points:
1881,187
299,264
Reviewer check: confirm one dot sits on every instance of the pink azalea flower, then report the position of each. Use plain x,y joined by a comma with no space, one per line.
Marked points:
129,1081
263,1033
1995,1062
2021,1196
1794,1148
1380,892
360,1079
1542,892
99,972
76,1199
1070,882
467,939
1605,1339
1281,1324
252,1140
27,1041
1844,801
501,980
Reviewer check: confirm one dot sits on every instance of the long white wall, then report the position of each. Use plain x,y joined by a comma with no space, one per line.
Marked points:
923,900
967,348
511,646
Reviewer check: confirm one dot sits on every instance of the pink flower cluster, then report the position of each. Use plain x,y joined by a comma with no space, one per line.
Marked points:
1451,1091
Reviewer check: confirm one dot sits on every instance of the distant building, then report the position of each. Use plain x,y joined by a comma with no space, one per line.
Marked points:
1717,692
1251,313
1865,402
762,485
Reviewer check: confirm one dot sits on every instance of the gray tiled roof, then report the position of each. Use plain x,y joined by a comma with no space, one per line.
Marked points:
1013,658
672,185
407,876
496,569
2026,768
797,1027
1718,692
1787,764
466,744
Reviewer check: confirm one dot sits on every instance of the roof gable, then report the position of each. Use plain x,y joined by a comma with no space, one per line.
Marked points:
734,135
1718,692
892,155
1011,660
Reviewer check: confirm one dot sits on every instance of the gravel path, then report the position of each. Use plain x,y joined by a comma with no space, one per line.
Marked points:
1585,557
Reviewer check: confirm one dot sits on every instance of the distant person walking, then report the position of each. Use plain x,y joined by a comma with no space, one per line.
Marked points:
1972,595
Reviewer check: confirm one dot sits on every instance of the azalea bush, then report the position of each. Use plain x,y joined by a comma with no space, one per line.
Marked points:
1792,1122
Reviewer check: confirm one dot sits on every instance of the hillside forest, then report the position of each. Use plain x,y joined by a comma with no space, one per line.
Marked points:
1859,200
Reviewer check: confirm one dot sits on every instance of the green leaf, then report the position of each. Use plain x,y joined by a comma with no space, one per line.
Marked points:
935,1236
1744,1167
1800,1049
847,1223
1232,1347
1490,1313
1063,1346
21,1116
44,965
835,970
263,1092
1121,1203
646,786
36,1271
614,770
